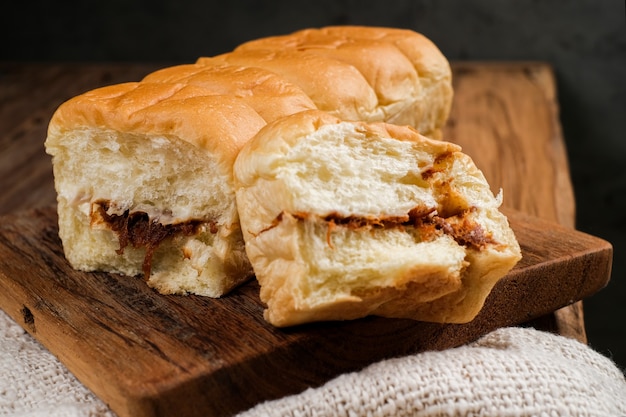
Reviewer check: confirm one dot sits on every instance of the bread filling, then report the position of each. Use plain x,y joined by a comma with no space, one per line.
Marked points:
137,229
426,221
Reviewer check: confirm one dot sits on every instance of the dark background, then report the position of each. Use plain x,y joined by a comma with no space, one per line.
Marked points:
584,40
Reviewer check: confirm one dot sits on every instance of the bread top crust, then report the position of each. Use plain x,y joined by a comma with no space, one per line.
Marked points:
270,95
385,68
408,79
332,85
220,124
426,57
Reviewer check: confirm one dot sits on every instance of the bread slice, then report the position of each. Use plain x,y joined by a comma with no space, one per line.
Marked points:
143,173
358,73
346,219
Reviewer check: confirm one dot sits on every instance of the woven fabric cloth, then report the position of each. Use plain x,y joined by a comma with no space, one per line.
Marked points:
509,372
33,383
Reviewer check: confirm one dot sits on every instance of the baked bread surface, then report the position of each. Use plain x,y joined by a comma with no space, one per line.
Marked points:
359,73
346,219
269,94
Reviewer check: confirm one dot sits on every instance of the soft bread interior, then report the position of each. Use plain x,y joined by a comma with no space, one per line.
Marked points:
125,174
343,220
140,192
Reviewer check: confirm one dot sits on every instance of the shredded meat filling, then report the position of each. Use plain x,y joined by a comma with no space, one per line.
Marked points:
459,226
462,229
138,230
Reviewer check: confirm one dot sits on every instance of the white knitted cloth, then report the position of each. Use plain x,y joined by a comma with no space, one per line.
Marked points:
510,372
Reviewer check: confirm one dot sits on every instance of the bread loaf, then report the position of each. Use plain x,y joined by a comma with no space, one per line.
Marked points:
343,215
346,219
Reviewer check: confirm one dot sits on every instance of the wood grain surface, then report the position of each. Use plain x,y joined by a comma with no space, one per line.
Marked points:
505,115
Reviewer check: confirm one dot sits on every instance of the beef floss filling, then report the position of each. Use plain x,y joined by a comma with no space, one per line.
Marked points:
139,231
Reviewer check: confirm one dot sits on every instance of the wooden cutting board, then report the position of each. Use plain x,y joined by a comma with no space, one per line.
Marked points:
151,355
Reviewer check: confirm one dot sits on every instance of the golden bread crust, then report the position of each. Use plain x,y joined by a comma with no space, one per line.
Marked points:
270,95
219,123
408,75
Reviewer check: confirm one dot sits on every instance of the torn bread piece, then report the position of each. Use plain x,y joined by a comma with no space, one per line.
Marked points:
143,173
347,219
